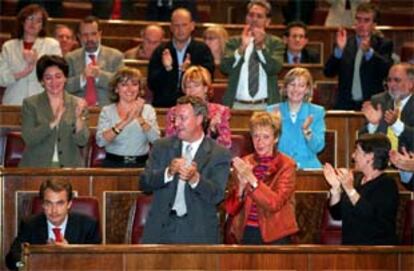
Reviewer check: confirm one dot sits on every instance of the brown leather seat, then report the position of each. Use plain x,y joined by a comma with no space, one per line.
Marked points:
14,149
82,205
96,154
137,218
331,229
408,236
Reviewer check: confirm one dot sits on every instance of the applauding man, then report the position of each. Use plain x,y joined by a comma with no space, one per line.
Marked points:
169,61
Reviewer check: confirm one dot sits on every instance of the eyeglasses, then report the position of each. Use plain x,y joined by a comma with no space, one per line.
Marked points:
391,79
35,19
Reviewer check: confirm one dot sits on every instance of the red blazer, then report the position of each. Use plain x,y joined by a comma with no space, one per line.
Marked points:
275,201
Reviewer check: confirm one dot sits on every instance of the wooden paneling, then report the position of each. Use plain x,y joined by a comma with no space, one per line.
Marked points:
345,123
215,257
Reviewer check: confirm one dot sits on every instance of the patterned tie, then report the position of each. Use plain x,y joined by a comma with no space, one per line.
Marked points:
296,59
390,133
90,95
253,74
179,202
58,235
356,80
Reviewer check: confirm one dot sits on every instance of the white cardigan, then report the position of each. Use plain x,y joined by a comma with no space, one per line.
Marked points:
11,61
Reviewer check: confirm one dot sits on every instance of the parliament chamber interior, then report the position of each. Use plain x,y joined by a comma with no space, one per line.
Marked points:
114,198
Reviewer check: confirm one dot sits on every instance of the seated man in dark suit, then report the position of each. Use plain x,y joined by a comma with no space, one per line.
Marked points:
56,225
296,39
361,61
187,175
392,112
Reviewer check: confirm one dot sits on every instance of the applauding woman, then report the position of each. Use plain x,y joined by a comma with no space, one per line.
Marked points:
18,56
197,82
261,199
367,203
128,126
303,133
53,122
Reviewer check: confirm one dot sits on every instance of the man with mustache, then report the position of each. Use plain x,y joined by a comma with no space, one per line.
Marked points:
92,66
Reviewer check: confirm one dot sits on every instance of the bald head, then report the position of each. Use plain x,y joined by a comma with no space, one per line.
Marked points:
182,26
181,12
152,37
400,81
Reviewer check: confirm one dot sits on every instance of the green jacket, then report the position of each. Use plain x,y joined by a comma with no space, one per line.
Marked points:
273,54
40,139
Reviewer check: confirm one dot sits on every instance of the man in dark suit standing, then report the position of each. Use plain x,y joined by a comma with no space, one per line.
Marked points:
55,225
296,39
361,62
187,175
169,61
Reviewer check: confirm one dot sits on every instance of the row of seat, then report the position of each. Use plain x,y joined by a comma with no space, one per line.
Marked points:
94,155
330,228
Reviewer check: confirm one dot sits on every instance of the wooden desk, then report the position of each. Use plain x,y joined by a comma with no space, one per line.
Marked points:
117,189
217,257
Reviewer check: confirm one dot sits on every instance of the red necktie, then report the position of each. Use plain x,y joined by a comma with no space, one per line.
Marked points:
116,9
58,235
90,95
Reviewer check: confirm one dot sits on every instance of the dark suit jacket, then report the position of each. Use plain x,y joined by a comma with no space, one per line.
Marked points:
307,56
80,229
213,162
372,72
164,84
407,117
109,61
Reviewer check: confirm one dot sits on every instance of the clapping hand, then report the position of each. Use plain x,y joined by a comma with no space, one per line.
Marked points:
372,114
391,116
341,37
186,63
403,160
80,111
167,59
331,176
244,173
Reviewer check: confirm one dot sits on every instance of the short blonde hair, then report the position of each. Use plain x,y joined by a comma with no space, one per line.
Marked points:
122,75
292,75
220,32
198,74
266,119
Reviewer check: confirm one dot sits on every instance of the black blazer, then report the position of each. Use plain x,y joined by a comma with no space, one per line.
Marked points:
307,56
372,72
164,84
406,139
80,229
